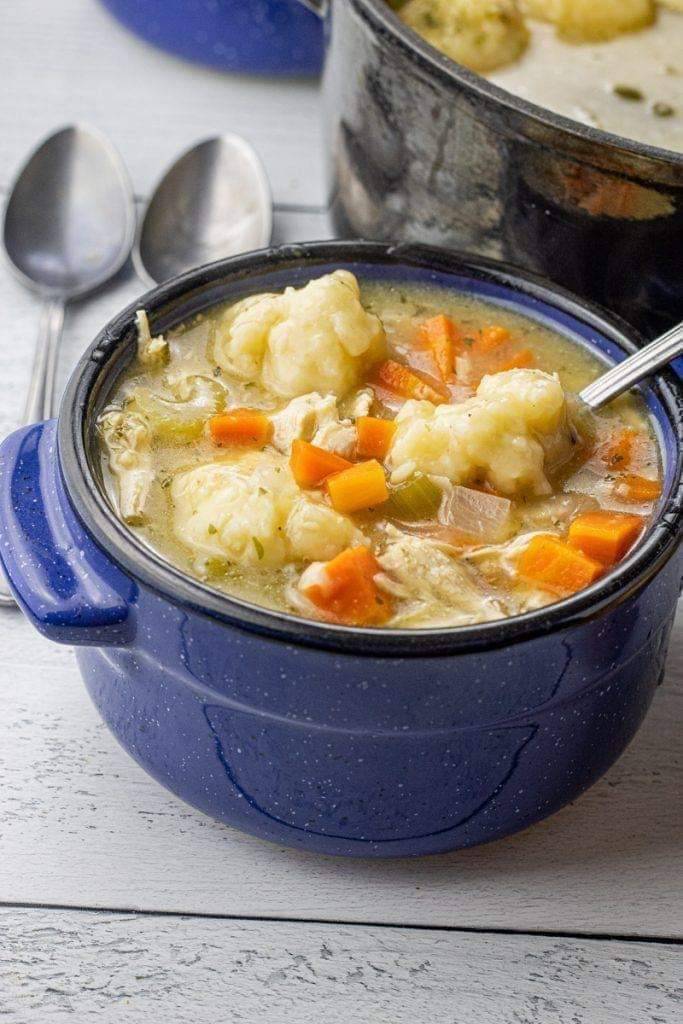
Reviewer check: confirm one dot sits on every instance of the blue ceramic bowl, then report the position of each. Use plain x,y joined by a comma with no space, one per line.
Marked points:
344,741
263,37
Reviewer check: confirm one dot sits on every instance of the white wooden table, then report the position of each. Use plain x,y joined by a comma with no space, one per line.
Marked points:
118,902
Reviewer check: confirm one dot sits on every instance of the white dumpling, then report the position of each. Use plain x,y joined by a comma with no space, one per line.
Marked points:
250,512
501,434
316,532
235,511
599,20
481,34
316,338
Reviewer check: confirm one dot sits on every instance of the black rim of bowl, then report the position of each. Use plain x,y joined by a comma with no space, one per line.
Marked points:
167,305
385,20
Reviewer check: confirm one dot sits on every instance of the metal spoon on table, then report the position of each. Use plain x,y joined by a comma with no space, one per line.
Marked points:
213,202
68,227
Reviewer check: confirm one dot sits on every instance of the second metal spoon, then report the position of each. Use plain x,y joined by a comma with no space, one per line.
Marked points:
214,201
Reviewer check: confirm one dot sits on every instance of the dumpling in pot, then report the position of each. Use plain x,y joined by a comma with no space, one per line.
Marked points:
316,338
481,34
593,21
500,435
315,532
250,512
584,21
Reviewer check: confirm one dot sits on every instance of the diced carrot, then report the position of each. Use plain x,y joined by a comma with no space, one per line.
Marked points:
440,336
406,382
638,490
605,536
521,360
374,436
240,426
348,593
617,452
311,465
491,338
557,567
362,486
492,350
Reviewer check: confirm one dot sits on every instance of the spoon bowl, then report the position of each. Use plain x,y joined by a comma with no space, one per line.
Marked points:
68,227
213,202
70,218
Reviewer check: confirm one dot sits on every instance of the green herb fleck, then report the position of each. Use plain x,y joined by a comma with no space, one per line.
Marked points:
663,110
217,371
628,92
259,548
212,529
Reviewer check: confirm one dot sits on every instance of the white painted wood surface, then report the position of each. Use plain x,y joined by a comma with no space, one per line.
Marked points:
82,826
57,966
68,60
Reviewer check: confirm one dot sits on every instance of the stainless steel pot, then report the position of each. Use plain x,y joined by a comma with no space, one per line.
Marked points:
422,149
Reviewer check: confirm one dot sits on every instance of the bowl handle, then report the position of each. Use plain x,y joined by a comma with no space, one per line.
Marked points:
62,580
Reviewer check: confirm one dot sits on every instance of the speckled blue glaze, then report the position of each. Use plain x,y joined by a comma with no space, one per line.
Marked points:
341,748
263,37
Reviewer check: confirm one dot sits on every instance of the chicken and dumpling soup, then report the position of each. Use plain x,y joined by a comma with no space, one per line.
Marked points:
612,64
385,456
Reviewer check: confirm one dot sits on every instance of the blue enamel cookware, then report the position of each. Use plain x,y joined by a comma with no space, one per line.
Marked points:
342,741
421,148
263,37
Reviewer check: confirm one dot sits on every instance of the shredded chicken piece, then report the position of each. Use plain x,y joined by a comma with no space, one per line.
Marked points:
301,418
127,439
151,351
339,437
360,404
436,587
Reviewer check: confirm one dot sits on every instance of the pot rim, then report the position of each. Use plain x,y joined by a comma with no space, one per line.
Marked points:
169,301
384,19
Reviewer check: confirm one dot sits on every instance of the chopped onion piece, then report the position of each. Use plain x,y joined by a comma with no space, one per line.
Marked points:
484,517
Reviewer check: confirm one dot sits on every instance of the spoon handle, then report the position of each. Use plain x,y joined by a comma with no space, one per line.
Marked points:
634,369
40,398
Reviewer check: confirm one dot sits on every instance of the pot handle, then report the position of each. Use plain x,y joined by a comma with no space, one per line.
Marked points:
66,585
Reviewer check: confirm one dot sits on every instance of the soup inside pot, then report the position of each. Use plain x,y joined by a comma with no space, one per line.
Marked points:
613,64
384,455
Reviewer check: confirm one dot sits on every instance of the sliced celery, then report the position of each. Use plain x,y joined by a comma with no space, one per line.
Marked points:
180,416
416,499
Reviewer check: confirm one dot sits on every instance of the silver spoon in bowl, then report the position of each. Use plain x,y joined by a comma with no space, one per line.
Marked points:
631,371
213,202
68,227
